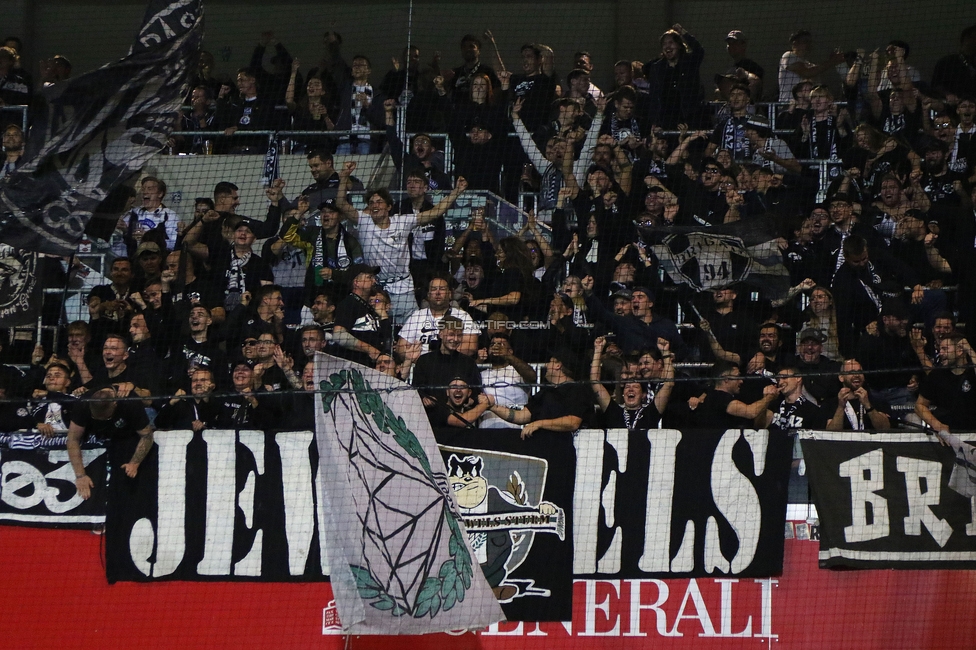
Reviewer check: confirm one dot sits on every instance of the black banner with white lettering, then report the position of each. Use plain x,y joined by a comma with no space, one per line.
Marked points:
219,505
37,483
885,501
678,504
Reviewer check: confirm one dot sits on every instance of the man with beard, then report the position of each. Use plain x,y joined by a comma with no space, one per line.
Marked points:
768,359
942,185
810,361
143,357
462,75
947,399
198,413
890,350
326,181
424,325
461,410
853,409
502,380
535,90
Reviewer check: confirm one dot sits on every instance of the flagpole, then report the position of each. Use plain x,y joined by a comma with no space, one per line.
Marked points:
64,301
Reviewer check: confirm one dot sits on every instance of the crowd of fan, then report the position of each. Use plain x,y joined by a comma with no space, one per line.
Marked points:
867,326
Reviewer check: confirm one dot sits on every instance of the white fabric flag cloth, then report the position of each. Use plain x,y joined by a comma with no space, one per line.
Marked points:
399,554
963,477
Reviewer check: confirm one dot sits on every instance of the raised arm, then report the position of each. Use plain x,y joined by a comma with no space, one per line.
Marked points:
528,144
444,204
602,395
589,144
345,207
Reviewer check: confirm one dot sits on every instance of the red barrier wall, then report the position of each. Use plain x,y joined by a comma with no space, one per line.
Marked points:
53,594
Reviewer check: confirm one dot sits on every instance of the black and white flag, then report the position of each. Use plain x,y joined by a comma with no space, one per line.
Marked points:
20,291
713,257
93,132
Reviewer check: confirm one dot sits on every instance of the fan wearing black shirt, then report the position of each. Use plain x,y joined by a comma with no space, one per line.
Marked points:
719,407
791,410
198,413
123,424
947,397
639,409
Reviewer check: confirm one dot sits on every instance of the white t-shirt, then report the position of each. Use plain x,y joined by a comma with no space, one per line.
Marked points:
422,326
788,78
502,384
387,248
149,219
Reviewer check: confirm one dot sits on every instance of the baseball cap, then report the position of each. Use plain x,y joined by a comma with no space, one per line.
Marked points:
147,247
356,269
811,333
735,35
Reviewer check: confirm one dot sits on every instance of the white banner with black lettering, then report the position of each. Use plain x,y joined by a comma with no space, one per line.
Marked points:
37,483
885,501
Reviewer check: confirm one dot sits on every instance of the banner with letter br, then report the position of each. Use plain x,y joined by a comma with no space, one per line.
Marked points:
885,501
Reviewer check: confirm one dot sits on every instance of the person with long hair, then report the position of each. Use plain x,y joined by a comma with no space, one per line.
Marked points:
513,287
310,112
821,316
674,81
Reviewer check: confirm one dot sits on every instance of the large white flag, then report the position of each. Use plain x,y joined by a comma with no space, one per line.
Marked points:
399,555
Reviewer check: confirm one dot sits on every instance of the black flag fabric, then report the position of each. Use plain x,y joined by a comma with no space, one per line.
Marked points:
706,258
20,290
93,132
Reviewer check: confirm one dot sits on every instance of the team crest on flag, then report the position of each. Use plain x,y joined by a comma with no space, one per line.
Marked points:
708,258
399,553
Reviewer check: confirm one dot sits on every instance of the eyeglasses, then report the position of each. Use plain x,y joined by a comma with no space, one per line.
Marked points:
248,344
711,170
946,125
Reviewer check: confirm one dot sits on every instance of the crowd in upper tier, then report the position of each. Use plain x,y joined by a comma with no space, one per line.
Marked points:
878,236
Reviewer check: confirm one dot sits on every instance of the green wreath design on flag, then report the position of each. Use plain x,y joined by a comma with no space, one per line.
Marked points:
440,591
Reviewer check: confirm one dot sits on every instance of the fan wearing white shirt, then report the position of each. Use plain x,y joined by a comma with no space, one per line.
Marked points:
424,325
384,237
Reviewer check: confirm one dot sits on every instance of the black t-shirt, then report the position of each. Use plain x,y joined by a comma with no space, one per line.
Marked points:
855,418
557,401
801,414
359,319
952,396
120,431
713,412
617,417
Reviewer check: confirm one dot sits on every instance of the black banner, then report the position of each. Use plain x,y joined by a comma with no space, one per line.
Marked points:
516,499
219,505
680,504
884,501
92,132
37,483
706,258
20,292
